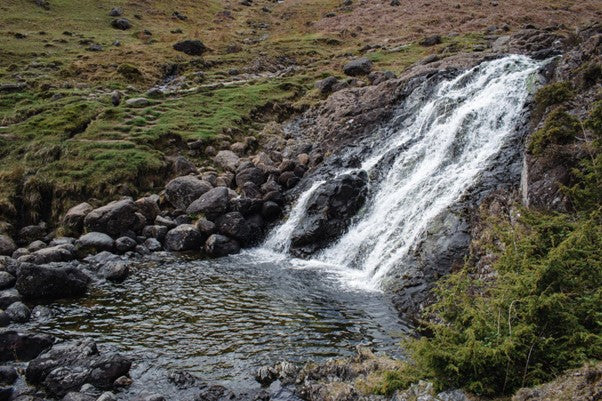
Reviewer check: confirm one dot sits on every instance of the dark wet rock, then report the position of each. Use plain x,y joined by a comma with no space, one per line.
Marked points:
182,379
6,393
8,297
22,346
251,174
182,191
29,234
94,242
59,253
121,23
18,312
67,366
149,207
73,220
153,245
205,226
40,312
215,393
274,196
234,225
270,211
8,264
431,41
219,245
125,244
115,218
114,271
8,375
35,282
7,280
329,211
361,66
183,238
212,203
183,219
156,231
142,250
149,397
190,47
4,319
20,252
227,160
166,222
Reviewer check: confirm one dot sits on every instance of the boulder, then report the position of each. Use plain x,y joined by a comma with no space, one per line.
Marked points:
7,297
7,280
166,222
235,226
328,212
121,23
153,245
115,218
155,232
205,226
68,366
34,282
138,102
18,312
227,160
4,319
125,244
29,234
7,245
22,346
270,211
94,242
36,246
211,203
8,375
183,166
183,238
251,174
219,245
149,207
326,85
357,67
114,271
182,191
59,253
73,396
190,47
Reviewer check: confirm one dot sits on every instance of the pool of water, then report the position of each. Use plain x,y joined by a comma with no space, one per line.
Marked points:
222,319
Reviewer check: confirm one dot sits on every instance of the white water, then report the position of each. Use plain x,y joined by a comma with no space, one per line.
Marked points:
439,153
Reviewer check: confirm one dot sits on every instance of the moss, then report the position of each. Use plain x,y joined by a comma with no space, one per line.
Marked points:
130,72
552,94
558,128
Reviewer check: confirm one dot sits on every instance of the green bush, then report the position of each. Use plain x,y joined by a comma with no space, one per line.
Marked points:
552,94
559,128
540,316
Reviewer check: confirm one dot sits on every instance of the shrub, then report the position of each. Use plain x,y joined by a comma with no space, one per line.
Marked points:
552,94
559,128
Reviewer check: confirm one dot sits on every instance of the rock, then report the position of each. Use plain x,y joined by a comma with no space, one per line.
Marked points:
155,232
36,246
8,375
18,312
165,221
153,245
73,396
115,218
149,207
274,196
211,203
183,166
430,41
205,226
4,319
266,375
59,253
270,211
142,250
215,392
125,244
115,97
67,366
114,271
107,396
74,218
16,346
40,312
303,159
183,238
7,280
138,102
20,252
7,297
35,282
360,66
121,23
326,85
190,47
94,242
116,12
8,264
219,245
227,160
239,148
29,234
329,211
182,191
251,174
235,226
7,245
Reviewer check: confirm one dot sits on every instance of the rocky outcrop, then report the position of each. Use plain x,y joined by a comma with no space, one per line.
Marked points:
68,366
35,282
329,212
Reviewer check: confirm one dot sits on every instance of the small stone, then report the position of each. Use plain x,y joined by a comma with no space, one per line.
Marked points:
121,23
18,312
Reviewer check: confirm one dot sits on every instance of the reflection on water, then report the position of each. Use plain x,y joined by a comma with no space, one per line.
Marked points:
221,319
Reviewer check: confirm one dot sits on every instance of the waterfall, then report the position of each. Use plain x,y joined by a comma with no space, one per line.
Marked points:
425,164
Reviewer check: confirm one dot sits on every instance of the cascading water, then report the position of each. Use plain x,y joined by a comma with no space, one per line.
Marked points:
425,166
